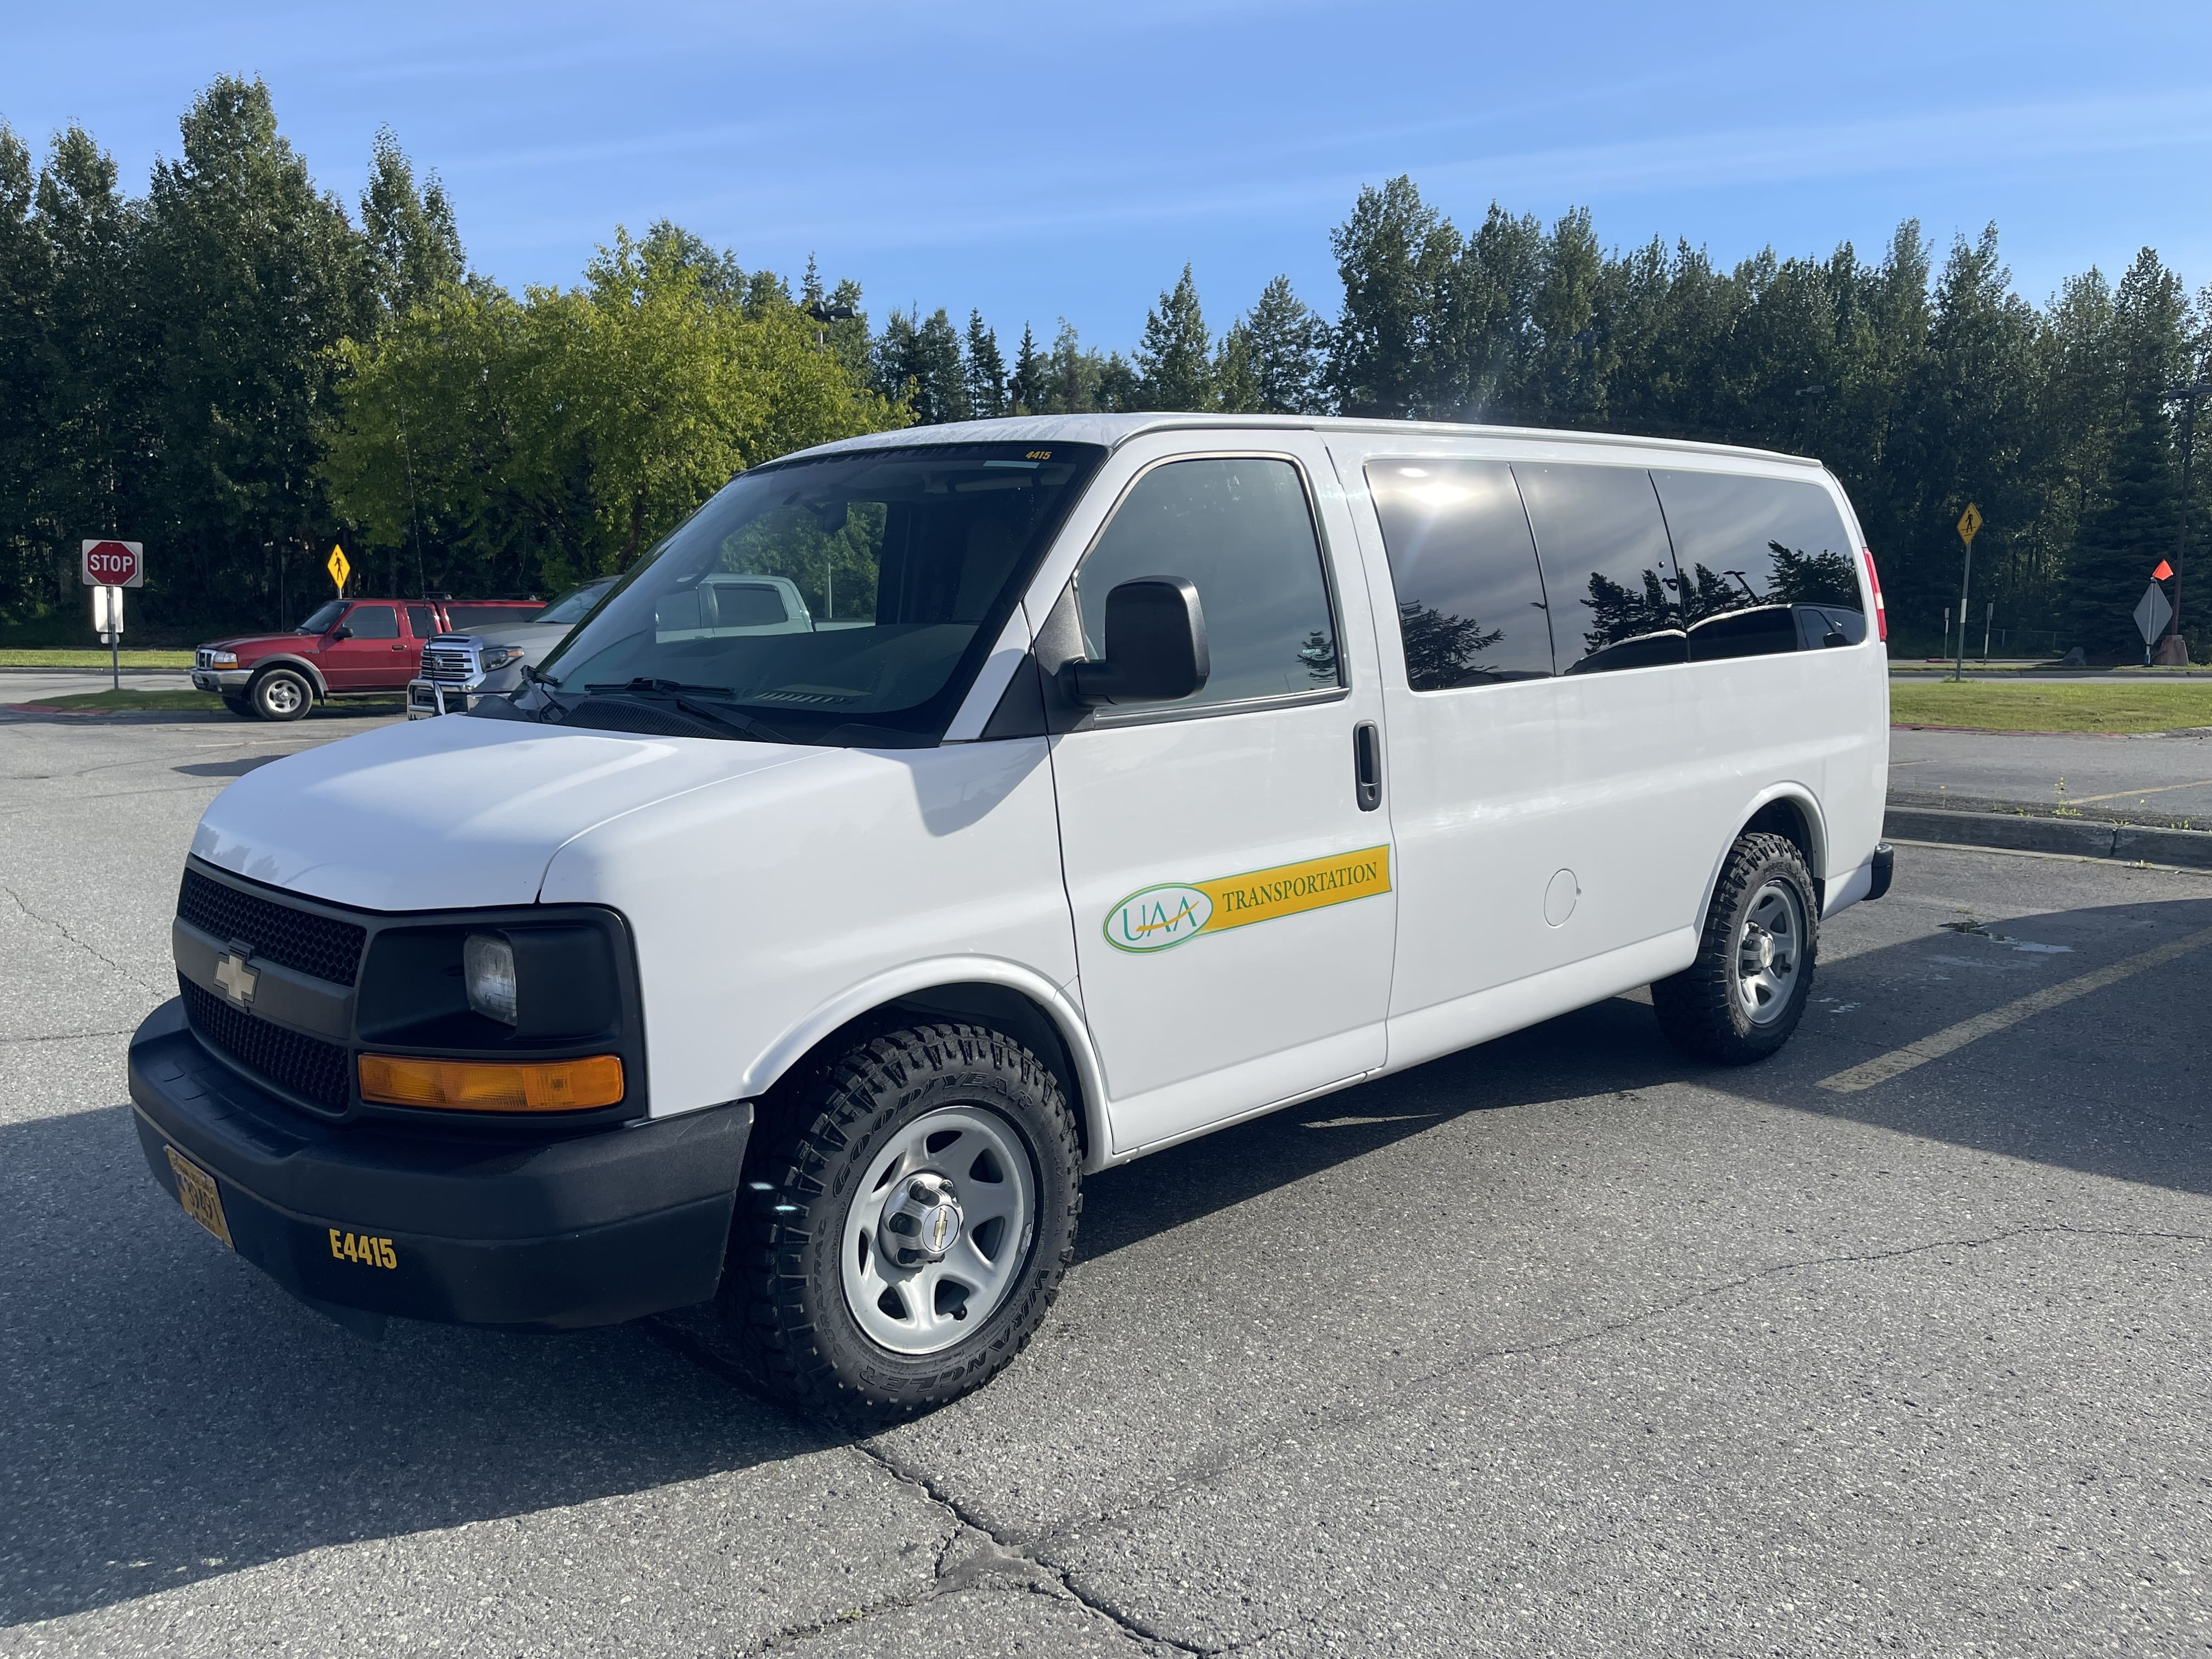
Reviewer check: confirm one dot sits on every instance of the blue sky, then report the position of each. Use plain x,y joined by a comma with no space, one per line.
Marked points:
1040,161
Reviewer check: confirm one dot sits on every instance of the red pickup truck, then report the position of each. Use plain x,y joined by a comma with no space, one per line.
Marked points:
348,648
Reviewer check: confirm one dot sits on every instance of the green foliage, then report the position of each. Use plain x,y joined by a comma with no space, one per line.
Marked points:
511,444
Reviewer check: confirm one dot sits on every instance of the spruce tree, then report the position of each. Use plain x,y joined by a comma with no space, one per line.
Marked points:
986,371
1175,363
1026,389
254,277
1276,348
2125,535
2133,519
938,368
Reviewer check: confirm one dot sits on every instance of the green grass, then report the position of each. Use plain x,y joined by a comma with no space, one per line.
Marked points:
193,702
2084,706
169,702
93,659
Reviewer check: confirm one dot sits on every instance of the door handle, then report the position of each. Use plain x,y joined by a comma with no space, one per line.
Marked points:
1367,765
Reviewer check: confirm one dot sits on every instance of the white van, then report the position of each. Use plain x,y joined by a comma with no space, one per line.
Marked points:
1168,770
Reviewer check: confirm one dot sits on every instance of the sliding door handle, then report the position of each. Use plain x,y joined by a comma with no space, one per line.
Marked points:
1367,764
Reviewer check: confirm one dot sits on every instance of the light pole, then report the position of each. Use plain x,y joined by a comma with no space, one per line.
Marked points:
2190,393
1811,422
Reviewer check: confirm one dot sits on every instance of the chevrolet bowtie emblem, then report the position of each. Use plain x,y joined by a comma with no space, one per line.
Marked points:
236,978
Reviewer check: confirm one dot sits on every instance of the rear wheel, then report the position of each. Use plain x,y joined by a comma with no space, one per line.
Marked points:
282,694
906,1226
1743,996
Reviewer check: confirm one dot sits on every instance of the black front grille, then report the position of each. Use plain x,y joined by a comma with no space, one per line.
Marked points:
320,946
308,1066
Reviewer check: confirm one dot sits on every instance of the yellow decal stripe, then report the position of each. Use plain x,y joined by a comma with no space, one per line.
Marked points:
1264,895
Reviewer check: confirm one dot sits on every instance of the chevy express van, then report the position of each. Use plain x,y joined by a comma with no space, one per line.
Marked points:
1167,771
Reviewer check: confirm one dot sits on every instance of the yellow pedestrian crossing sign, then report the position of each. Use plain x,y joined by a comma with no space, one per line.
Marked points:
339,568
1969,522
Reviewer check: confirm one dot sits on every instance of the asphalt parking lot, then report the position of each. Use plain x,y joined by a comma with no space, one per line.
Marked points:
1896,1343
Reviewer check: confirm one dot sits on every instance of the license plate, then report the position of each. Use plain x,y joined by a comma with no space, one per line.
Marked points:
196,1192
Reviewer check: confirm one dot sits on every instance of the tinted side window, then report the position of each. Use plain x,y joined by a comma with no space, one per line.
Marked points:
373,622
1470,600
1242,532
1766,561
1608,573
421,621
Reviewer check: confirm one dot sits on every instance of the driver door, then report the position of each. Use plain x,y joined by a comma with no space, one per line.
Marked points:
375,658
1230,878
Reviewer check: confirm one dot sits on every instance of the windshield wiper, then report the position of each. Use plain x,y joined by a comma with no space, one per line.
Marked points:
675,692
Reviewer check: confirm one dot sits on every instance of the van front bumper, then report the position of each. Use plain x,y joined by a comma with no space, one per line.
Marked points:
475,1229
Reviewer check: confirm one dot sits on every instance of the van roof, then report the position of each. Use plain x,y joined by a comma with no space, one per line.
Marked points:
1113,430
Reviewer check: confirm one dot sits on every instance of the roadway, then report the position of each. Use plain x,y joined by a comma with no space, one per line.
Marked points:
1561,1344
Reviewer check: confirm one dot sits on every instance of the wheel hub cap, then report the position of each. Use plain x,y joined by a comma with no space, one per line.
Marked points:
923,1223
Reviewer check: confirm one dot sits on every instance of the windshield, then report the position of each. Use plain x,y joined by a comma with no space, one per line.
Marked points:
571,605
860,590
324,617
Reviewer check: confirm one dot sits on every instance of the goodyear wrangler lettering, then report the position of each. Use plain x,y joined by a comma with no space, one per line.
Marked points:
1157,918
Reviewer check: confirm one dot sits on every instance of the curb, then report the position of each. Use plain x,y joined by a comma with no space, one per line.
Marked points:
2078,837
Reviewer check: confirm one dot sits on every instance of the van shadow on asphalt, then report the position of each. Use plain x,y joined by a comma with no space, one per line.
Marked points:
173,1416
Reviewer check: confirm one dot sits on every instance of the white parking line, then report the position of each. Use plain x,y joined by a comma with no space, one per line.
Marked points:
1898,1061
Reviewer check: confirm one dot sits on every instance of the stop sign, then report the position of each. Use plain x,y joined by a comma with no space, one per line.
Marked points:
115,564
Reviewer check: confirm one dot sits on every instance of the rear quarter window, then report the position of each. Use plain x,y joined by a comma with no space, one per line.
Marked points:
1767,565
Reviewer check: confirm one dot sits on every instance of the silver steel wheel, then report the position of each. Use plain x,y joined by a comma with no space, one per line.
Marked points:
281,696
1770,951
938,1229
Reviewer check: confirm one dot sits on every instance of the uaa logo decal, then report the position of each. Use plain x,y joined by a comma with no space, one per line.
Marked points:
1158,917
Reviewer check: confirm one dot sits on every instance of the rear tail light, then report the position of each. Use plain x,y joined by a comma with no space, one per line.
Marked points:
1874,581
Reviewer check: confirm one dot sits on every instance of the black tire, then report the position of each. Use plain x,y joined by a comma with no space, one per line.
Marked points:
1712,1010
282,694
239,706
783,1303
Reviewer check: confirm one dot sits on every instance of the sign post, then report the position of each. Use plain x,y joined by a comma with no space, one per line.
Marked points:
338,567
1970,521
108,623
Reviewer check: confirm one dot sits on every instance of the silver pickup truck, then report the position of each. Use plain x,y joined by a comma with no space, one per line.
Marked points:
460,669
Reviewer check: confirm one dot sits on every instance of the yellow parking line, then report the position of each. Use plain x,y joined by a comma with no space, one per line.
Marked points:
2132,794
1898,1061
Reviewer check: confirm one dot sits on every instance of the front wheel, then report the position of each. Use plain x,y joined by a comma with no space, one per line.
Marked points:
281,694
906,1224
1743,996
238,706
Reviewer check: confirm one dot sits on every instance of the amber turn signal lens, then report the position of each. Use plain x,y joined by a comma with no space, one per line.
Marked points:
470,1085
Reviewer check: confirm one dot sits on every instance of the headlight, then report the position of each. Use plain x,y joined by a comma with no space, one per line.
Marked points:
488,971
223,660
498,656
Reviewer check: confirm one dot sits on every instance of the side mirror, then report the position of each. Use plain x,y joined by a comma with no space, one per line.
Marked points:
1155,645
340,632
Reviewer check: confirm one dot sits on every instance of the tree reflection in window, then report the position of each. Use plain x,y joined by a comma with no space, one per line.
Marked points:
1443,650
1619,612
1794,576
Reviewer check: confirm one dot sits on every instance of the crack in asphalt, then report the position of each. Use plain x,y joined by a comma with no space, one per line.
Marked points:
974,1556
1261,1444
90,950
64,1037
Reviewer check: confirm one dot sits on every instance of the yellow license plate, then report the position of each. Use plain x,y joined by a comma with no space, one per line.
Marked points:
196,1192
